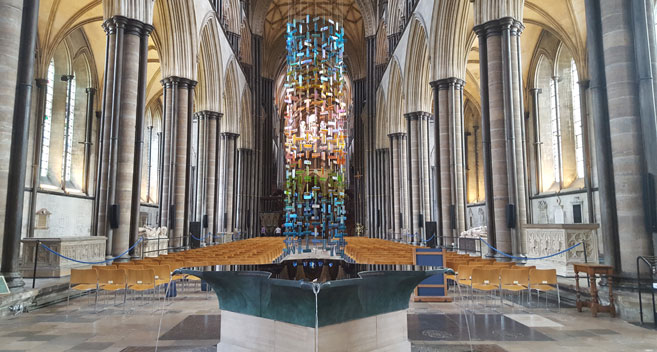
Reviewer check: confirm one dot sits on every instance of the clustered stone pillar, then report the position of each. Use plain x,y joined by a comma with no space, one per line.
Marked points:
448,96
399,183
418,173
370,138
247,194
622,90
227,181
213,129
175,203
381,202
122,132
502,131
201,165
240,188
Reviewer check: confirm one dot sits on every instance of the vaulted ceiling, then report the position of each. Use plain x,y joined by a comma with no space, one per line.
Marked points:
280,12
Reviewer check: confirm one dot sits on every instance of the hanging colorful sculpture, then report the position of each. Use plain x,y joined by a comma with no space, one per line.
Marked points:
314,129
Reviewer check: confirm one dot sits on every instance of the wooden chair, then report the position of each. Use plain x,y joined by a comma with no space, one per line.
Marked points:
108,266
82,280
514,280
486,280
112,280
141,280
544,281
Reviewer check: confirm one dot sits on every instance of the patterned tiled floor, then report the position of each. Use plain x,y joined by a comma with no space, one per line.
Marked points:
192,323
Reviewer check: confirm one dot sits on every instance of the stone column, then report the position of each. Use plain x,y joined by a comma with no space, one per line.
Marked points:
370,91
176,195
10,30
395,184
199,186
42,85
88,140
229,154
142,82
122,132
449,156
538,178
378,214
586,140
502,130
239,188
213,128
19,127
622,105
417,163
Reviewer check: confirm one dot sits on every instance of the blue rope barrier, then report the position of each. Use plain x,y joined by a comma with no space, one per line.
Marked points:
198,239
104,261
527,258
430,238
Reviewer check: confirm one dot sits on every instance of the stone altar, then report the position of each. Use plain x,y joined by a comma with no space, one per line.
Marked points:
546,239
87,248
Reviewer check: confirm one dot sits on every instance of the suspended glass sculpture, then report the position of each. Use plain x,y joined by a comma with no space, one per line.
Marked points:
314,129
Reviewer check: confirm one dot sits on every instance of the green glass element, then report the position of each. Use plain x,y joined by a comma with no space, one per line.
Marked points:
255,293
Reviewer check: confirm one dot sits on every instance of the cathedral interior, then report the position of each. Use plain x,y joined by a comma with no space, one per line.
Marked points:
241,136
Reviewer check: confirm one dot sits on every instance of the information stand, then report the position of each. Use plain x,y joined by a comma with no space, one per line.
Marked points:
434,288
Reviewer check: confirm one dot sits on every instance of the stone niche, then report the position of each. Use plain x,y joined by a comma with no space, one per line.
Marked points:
546,239
87,248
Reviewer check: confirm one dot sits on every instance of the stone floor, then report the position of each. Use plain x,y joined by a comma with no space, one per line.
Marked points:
191,323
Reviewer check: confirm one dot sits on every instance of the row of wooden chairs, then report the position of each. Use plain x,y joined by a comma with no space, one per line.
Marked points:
379,251
116,278
514,280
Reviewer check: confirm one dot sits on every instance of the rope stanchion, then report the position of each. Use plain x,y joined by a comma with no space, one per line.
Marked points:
528,258
91,263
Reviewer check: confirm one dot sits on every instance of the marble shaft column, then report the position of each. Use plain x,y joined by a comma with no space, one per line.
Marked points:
168,152
122,132
199,186
260,98
370,91
387,193
221,182
211,183
586,142
623,99
88,137
183,169
394,185
176,202
36,157
384,187
229,165
142,82
449,157
19,127
426,169
417,161
379,215
240,188
244,188
10,30
502,135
